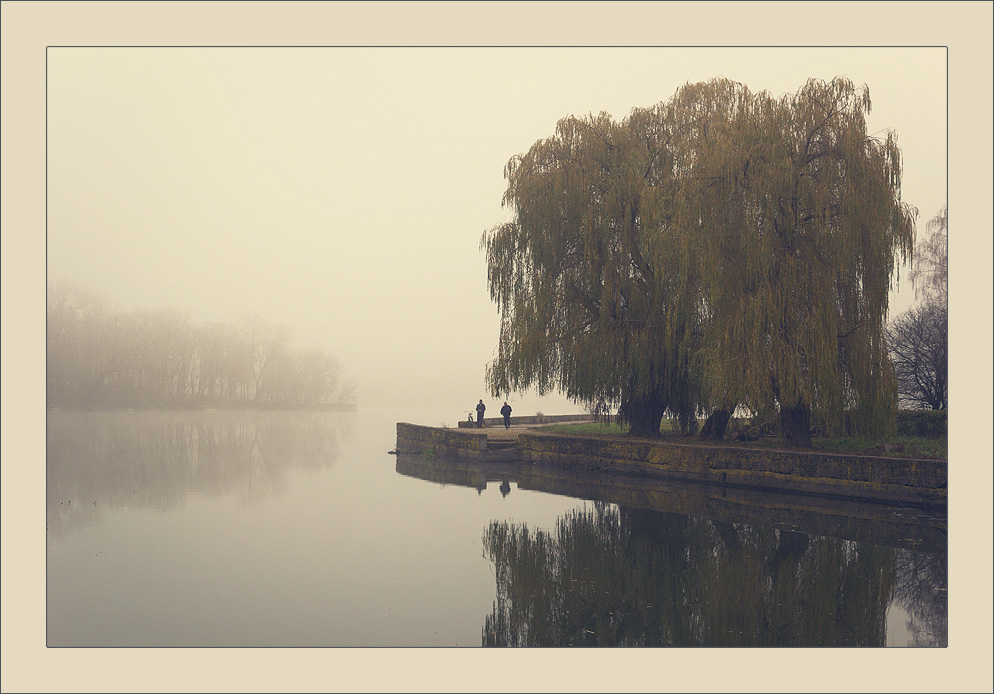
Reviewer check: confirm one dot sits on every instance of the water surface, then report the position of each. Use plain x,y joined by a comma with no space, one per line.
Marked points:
301,529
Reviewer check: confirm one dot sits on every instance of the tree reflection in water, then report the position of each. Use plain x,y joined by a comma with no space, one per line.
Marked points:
922,580
154,460
616,576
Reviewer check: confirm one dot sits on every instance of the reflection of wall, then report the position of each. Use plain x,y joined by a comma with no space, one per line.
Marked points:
893,526
154,460
442,471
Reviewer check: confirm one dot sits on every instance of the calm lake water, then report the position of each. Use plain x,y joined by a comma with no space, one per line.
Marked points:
301,529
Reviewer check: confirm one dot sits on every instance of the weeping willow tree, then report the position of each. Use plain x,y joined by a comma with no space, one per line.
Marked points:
582,277
718,250
797,217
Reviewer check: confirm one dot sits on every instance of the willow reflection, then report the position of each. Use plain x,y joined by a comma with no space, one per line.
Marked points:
154,460
922,582
614,576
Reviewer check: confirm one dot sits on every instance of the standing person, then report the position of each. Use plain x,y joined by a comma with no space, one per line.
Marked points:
506,411
480,409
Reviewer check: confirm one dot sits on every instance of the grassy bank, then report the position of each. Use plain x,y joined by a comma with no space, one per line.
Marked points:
899,446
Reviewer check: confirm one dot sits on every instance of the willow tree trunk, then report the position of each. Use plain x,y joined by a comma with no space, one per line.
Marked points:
644,416
795,426
791,546
716,424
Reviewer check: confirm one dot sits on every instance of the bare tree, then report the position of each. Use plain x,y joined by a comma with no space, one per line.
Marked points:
918,342
348,391
267,342
918,339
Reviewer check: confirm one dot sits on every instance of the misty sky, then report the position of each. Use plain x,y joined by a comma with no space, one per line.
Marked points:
343,191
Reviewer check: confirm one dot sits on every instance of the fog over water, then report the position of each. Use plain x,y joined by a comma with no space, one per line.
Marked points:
343,192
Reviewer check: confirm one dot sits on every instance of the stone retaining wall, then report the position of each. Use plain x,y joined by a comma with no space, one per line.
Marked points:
855,476
449,443
413,438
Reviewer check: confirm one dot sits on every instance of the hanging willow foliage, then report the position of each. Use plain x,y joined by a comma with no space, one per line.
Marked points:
585,294
796,214
723,248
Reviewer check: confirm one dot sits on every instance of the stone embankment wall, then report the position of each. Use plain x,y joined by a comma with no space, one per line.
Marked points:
533,419
855,476
449,443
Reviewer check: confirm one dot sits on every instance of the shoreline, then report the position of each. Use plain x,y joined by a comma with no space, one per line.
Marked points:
863,477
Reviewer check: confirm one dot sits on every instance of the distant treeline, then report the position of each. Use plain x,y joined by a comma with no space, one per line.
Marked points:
158,358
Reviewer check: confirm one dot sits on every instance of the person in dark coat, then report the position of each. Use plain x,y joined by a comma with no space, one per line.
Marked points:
506,411
480,409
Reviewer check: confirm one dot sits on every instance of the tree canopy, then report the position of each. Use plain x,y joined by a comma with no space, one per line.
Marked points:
722,249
